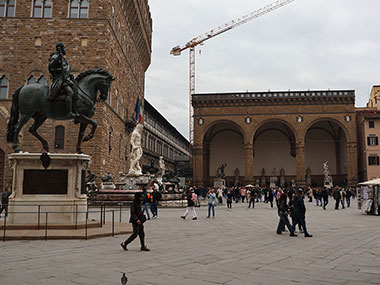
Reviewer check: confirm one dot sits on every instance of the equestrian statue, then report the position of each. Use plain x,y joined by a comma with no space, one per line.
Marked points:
66,99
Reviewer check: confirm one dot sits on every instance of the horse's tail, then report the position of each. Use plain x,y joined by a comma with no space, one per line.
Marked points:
14,115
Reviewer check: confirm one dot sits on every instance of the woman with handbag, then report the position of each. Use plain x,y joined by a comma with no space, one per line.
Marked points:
137,219
211,202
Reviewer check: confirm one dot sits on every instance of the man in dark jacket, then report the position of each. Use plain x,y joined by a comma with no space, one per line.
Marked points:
337,196
299,212
4,200
137,219
325,197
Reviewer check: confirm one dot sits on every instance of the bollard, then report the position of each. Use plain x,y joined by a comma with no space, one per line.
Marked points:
113,223
101,215
76,217
86,223
39,213
46,225
5,226
120,212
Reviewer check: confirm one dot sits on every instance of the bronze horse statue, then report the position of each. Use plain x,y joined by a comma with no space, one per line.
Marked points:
31,101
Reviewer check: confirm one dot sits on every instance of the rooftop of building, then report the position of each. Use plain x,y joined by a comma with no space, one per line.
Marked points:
368,113
284,96
149,108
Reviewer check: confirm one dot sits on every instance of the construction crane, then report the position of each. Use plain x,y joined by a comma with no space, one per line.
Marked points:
191,45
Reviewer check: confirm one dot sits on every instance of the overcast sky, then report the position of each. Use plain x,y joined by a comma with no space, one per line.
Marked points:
308,44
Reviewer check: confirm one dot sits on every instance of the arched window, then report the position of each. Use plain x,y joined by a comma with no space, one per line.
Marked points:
59,141
7,8
42,8
79,8
31,80
4,87
42,80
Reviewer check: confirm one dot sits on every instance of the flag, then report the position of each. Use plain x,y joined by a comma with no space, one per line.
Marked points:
141,111
137,107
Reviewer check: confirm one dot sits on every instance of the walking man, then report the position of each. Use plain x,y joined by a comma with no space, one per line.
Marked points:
299,213
325,197
337,196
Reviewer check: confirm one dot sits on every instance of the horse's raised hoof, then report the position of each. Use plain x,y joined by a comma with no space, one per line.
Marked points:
88,137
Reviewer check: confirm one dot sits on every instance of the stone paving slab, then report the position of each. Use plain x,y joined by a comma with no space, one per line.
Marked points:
236,247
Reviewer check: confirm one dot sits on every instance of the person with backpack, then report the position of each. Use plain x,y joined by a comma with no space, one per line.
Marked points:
147,200
137,220
191,198
154,206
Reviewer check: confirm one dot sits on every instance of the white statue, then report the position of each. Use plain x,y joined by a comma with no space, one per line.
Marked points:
328,183
136,152
161,168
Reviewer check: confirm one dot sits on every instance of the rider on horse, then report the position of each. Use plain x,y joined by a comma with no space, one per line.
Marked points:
62,82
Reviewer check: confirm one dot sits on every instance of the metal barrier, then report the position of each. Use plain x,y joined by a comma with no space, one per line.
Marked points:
102,212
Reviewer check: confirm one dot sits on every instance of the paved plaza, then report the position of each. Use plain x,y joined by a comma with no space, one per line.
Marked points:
236,247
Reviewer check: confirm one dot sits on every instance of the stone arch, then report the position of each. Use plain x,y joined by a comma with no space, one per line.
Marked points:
274,146
274,119
334,120
326,140
223,143
214,123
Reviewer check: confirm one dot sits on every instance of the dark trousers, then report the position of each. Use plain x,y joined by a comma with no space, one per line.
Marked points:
337,204
301,222
271,203
4,207
153,208
325,202
242,198
229,204
284,221
251,201
138,230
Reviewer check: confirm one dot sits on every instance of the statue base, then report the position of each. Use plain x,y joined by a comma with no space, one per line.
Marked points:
107,186
219,183
273,182
58,190
135,182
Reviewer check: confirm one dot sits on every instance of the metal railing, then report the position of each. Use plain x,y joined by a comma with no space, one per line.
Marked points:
44,215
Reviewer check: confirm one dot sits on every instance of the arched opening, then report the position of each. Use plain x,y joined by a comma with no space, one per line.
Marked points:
2,168
326,141
274,151
224,145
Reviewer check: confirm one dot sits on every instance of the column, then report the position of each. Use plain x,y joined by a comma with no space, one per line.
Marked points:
248,152
352,164
197,155
300,164
206,165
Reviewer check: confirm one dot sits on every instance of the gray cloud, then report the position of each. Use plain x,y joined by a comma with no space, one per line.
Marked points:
308,44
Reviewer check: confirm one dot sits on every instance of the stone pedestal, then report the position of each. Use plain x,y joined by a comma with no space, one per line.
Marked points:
273,182
219,182
135,182
107,186
58,189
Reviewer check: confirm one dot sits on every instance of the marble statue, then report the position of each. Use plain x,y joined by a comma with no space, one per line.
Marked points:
308,176
282,177
161,169
328,182
136,152
263,181
237,176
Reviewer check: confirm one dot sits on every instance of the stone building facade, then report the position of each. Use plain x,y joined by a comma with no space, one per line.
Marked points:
257,134
368,122
374,97
112,34
161,138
